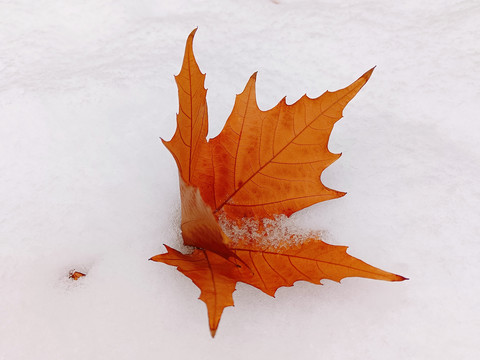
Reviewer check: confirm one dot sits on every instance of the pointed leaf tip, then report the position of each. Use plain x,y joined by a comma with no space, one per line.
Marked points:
251,81
213,332
192,34
367,75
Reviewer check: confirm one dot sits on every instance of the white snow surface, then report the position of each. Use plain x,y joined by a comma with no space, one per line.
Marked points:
87,89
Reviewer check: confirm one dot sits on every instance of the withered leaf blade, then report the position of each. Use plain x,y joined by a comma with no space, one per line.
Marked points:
311,260
199,226
270,162
188,144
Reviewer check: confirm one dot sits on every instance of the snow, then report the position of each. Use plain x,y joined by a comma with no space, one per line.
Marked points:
87,89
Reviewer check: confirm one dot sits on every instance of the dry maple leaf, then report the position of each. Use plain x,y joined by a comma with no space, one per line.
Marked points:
262,164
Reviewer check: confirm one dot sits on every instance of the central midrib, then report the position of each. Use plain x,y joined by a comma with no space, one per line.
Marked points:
191,119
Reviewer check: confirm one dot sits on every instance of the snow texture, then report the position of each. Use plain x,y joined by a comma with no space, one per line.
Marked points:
87,89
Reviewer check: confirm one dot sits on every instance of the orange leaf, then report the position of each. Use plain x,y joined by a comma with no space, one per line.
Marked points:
75,275
262,164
